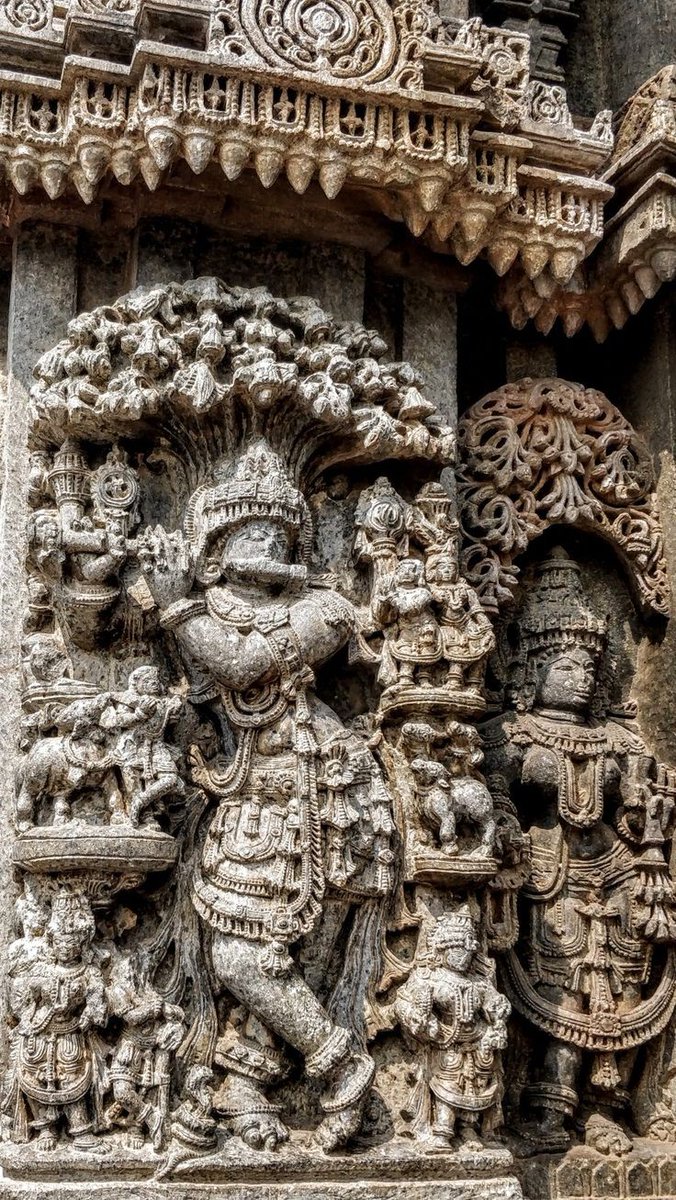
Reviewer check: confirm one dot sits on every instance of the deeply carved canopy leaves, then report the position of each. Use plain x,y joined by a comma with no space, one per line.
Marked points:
210,367
546,452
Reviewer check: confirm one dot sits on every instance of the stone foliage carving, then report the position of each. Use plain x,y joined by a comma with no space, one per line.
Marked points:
328,38
547,452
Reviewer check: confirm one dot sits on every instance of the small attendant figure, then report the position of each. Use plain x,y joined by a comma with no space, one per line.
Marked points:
403,605
139,1069
466,632
140,716
457,1021
58,1001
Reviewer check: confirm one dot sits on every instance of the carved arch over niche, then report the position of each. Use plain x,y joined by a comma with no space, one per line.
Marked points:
544,452
182,439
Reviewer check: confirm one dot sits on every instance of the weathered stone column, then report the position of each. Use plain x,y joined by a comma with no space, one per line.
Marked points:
430,343
43,299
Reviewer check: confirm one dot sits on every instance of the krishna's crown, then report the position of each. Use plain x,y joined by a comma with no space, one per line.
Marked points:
258,486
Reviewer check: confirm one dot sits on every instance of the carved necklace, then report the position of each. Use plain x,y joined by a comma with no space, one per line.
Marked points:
580,755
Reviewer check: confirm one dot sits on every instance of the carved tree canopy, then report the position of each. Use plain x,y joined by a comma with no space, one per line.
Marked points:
208,367
546,452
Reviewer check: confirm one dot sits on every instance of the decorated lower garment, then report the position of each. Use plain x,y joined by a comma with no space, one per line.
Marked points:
302,804
590,968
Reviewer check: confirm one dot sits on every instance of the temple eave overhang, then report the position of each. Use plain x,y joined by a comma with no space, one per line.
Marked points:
440,121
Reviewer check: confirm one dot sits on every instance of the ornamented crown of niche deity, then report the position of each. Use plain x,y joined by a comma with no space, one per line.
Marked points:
546,452
453,929
556,616
71,914
258,487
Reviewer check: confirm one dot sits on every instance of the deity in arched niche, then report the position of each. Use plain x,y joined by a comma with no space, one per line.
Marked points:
302,810
593,969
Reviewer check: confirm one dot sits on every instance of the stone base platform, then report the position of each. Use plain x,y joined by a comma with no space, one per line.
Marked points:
647,1173
388,1172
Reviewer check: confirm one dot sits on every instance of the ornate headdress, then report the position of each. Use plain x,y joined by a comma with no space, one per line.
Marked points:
71,914
256,486
557,615
453,929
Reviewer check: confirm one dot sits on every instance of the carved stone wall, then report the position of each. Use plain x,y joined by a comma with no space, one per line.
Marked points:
339,785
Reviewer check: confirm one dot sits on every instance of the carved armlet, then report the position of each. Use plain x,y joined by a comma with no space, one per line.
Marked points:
183,610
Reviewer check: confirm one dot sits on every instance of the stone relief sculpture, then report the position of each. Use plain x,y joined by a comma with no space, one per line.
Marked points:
592,969
287,824
114,740
57,1000
140,1066
289,872
450,1005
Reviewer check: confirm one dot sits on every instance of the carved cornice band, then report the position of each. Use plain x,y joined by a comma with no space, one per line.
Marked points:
441,122
638,253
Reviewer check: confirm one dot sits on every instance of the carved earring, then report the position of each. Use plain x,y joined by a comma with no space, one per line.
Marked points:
209,571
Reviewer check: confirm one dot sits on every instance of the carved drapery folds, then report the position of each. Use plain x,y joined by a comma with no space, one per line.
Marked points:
276,862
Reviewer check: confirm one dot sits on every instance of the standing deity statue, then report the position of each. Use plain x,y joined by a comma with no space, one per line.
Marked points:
457,1021
57,999
466,632
291,824
593,969
139,1068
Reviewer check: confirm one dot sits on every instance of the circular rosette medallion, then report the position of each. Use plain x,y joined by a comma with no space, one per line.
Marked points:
338,38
